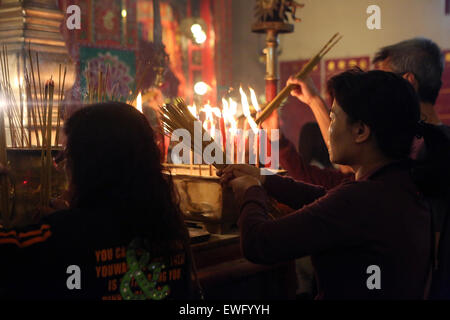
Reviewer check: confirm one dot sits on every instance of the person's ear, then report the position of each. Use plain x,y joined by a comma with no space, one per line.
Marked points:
361,132
411,79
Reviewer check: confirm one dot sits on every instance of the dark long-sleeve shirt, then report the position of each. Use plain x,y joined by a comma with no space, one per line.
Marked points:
378,220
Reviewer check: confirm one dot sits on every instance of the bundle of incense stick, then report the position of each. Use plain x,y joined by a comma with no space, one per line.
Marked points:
40,110
176,115
40,114
61,97
6,108
97,93
4,185
302,74
31,121
13,111
22,118
46,154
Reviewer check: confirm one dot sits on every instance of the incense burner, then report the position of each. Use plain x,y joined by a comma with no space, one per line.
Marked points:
25,175
203,199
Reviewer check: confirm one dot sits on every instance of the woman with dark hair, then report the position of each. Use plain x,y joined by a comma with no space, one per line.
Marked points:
370,238
123,236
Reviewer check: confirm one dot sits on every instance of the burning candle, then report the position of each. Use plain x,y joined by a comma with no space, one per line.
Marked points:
246,111
193,111
254,100
233,128
250,121
229,109
222,132
225,117
215,114
211,115
257,109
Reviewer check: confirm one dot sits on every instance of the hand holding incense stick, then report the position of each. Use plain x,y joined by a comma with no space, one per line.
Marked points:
302,74
4,185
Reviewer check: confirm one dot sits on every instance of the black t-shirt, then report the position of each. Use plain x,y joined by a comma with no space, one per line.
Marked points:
82,254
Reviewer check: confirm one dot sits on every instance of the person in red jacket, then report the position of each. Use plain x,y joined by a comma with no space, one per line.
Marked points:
370,238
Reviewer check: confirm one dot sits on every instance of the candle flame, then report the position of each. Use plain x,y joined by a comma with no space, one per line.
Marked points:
139,102
225,109
193,110
246,111
229,110
209,123
211,111
254,100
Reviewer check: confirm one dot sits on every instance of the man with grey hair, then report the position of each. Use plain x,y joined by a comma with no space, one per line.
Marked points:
421,62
